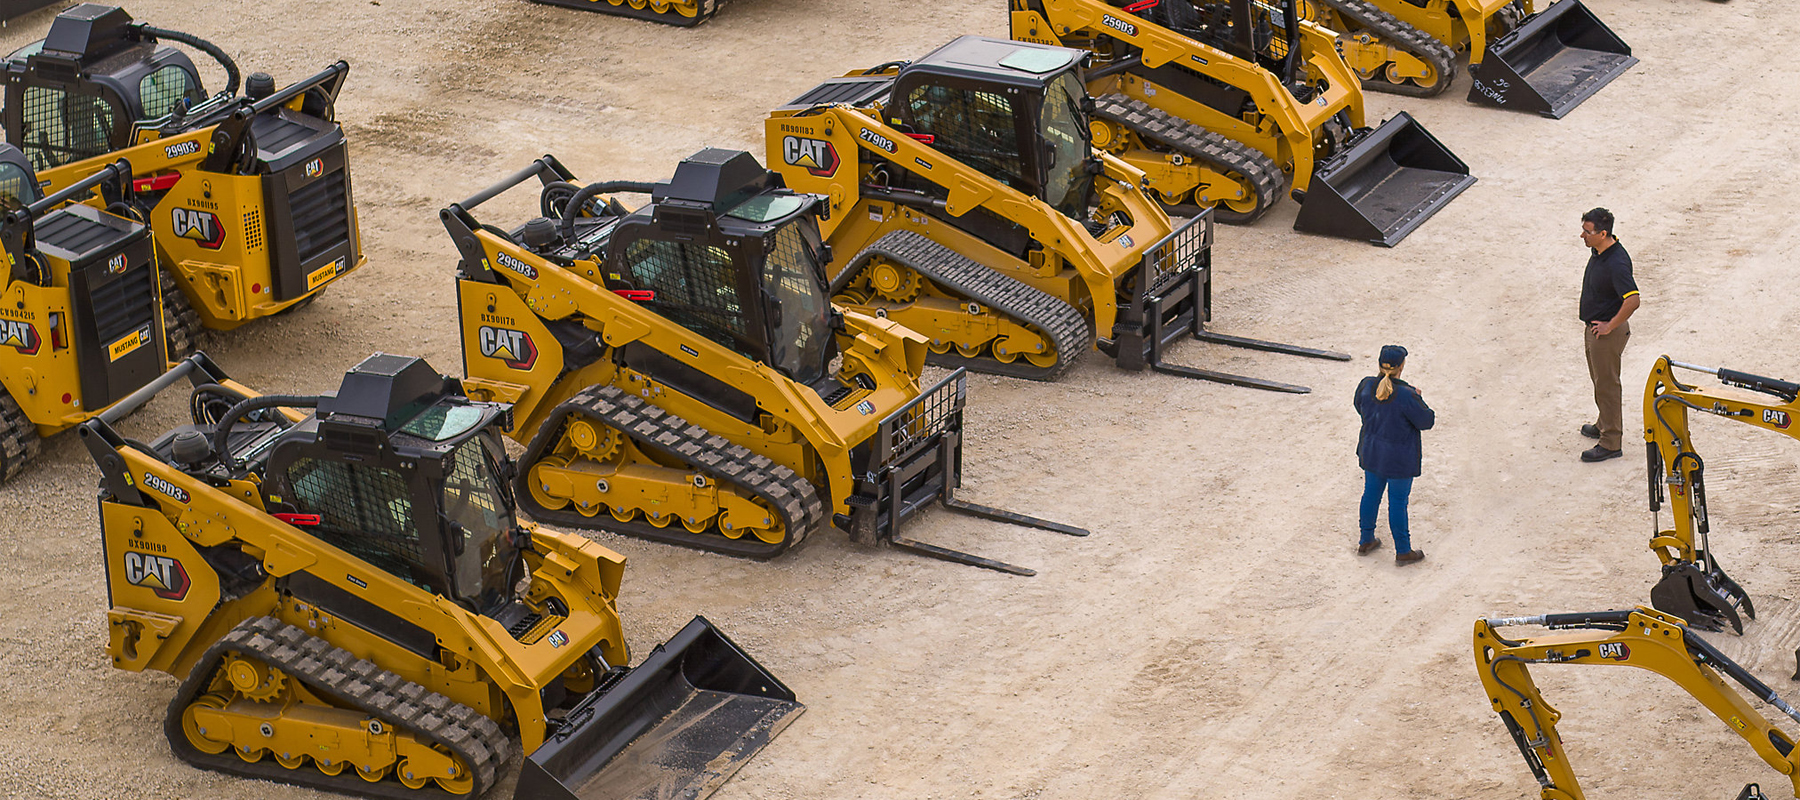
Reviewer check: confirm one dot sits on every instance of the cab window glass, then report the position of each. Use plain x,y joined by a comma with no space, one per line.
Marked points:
695,285
62,127
798,331
17,188
364,510
974,127
159,91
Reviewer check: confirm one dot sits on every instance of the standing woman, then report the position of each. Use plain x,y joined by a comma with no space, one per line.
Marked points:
1393,413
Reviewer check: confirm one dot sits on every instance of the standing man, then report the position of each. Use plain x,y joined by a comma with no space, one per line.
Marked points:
1609,295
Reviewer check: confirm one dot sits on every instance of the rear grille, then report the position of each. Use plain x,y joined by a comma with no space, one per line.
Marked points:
524,625
124,305
321,216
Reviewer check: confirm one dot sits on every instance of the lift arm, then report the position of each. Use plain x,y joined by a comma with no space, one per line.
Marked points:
1641,638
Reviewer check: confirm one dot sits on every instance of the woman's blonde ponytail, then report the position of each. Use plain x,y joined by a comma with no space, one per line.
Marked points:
1385,389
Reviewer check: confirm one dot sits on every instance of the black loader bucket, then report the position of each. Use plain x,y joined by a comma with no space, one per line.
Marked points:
677,726
1383,184
1702,594
1554,60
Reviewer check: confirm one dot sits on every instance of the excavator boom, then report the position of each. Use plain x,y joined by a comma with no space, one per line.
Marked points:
1642,638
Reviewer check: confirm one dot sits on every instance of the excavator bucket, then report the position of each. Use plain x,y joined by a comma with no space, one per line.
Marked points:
1383,184
1554,60
1704,596
677,726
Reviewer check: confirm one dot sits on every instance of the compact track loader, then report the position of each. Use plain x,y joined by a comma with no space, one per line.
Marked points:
86,315
1233,104
1693,585
968,202
685,13
248,195
351,605
1642,638
1546,62
680,375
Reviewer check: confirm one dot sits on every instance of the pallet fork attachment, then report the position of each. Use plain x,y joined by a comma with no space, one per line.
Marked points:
1174,299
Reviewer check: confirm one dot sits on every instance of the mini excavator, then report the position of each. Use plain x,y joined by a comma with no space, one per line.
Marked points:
968,202
683,13
1232,104
350,604
1545,62
248,196
1693,585
1642,638
86,315
678,373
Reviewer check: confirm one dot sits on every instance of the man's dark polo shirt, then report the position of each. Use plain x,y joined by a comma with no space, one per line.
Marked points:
1607,283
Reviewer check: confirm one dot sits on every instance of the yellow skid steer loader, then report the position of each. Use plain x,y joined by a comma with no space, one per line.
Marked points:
248,195
1520,57
1233,104
968,202
351,605
678,372
684,13
86,315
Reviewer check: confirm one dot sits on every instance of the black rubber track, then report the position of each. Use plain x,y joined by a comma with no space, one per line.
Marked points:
19,440
1392,30
790,496
181,323
357,683
1068,331
1208,147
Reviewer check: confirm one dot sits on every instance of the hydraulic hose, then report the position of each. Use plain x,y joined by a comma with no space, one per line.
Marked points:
218,54
588,192
222,436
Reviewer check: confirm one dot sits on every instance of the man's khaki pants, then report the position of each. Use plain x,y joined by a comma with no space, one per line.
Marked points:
1603,356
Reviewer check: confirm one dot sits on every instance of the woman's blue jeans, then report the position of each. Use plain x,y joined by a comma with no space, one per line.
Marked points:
1398,489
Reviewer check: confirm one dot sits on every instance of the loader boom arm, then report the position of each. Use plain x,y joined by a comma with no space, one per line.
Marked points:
1642,638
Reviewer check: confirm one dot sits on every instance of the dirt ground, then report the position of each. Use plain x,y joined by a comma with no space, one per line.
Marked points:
1216,636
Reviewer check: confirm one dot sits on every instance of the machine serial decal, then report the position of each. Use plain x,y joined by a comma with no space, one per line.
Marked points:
20,336
127,343
315,168
201,226
1778,419
1117,24
513,348
1617,651
160,574
816,155
878,140
516,265
180,149
156,482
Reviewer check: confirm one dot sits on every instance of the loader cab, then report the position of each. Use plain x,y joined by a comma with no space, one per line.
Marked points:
400,469
1015,111
727,252
81,91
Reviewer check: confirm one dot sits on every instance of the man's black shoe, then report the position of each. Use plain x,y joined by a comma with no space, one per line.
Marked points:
1590,430
1598,453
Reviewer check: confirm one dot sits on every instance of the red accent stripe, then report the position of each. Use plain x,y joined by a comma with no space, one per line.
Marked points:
928,138
636,295
155,183
300,519
1140,5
